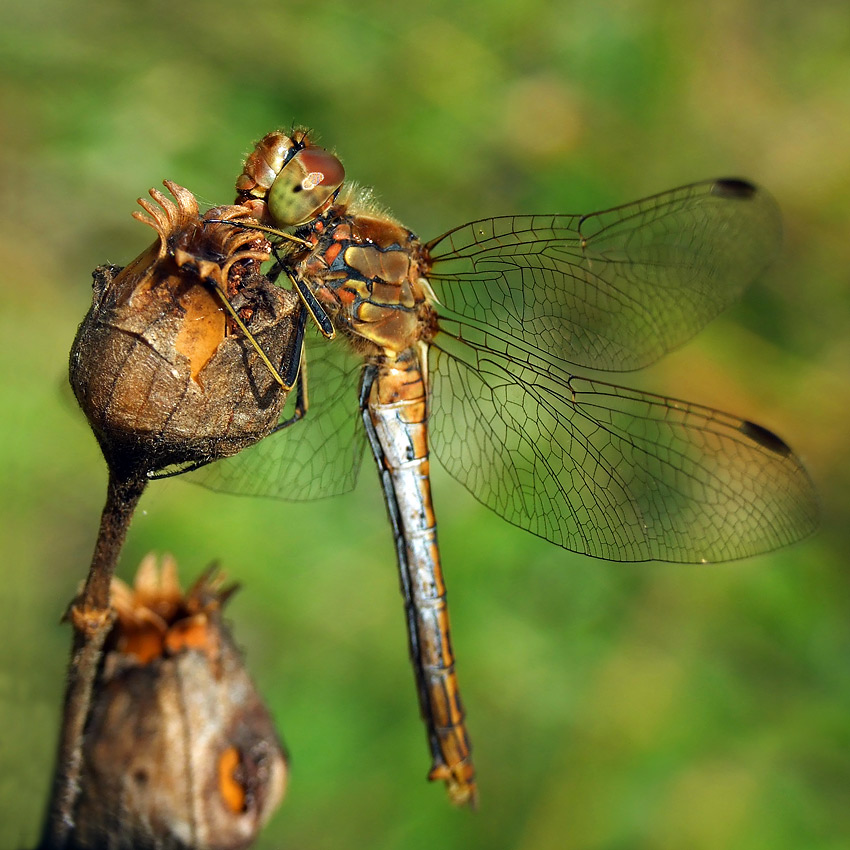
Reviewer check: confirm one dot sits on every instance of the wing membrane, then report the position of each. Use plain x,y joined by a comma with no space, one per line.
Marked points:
316,457
612,290
612,472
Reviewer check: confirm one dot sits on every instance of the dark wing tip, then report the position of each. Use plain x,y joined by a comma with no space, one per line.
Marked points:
734,188
764,437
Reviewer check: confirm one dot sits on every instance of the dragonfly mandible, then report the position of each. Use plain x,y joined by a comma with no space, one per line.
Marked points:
469,344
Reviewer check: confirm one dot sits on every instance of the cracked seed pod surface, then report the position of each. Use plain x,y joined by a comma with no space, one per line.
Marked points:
162,374
180,751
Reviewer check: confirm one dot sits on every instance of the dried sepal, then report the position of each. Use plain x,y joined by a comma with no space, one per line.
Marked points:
155,617
180,751
163,375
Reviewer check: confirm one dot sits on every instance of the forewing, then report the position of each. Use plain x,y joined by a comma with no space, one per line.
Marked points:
613,472
612,290
319,455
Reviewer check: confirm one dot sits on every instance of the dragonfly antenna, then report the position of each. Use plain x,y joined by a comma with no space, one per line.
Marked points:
273,231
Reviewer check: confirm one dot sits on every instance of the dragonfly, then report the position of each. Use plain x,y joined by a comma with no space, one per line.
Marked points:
481,344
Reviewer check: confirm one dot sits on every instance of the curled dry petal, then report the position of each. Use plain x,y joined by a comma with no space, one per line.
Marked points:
155,616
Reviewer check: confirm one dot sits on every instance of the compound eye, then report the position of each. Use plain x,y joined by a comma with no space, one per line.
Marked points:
303,186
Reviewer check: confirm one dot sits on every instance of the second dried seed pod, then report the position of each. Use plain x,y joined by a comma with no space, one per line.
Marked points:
180,752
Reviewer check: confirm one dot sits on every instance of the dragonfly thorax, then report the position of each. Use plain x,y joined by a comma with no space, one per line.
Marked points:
367,273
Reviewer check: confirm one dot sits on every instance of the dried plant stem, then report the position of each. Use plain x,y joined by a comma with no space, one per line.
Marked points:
91,616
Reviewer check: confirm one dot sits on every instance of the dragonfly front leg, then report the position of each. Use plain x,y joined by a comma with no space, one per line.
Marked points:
296,374
317,313
393,406
222,296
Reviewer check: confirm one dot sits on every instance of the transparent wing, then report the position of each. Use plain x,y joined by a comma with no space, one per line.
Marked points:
318,456
612,290
608,471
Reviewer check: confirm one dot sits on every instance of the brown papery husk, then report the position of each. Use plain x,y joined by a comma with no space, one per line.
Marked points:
180,752
162,374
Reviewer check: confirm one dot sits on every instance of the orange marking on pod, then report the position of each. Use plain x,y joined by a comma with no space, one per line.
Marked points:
203,329
231,790
145,643
191,633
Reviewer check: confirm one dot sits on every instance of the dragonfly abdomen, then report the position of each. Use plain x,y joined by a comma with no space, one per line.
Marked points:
397,414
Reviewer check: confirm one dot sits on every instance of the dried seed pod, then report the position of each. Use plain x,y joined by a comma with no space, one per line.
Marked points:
180,752
162,375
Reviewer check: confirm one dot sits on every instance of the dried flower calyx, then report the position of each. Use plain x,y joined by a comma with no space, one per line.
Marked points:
164,375
155,618
180,751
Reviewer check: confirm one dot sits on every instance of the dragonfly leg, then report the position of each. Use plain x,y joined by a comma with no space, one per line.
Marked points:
296,354
297,372
248,225
222,296
317,313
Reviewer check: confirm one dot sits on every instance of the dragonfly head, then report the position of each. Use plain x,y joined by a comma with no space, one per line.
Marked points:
288,181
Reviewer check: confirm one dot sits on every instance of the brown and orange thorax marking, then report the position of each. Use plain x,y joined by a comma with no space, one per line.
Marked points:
367,274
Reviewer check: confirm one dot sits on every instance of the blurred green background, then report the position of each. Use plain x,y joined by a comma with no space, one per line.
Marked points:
611,706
